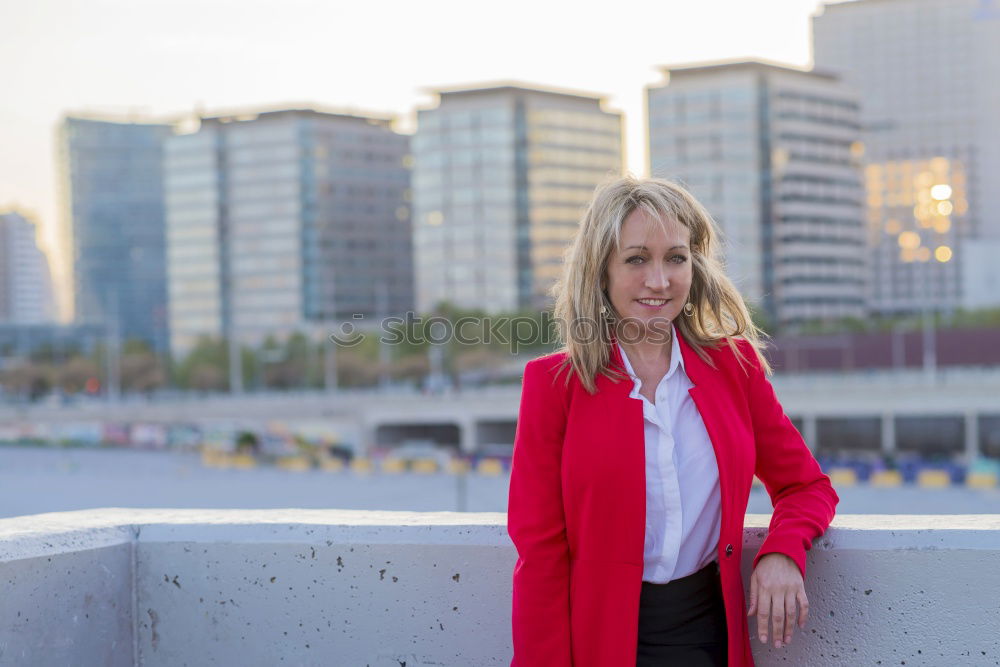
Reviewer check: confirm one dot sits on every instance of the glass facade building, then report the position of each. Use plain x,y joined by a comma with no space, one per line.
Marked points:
927,72
501,179
26,295
286,221
113,225
773,153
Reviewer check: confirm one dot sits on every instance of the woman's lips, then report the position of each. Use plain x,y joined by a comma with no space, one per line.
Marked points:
653,307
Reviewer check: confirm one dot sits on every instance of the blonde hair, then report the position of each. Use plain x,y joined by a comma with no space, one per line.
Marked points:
719,309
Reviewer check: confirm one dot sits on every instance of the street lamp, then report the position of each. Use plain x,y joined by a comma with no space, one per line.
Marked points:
931,213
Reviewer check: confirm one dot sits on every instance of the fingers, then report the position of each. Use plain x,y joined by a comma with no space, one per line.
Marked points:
778,619
753,595
803,607
778,599
777,615
789,616
763,615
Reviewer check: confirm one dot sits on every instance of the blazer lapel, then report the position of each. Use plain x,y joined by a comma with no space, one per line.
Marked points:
715,402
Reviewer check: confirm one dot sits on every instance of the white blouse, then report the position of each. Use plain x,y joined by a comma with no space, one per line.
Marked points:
683,504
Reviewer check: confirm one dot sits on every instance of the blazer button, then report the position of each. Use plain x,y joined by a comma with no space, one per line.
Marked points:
729,550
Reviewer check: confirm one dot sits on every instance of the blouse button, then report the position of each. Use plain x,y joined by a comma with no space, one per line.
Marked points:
729,550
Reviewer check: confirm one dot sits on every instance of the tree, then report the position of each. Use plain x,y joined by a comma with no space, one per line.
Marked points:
141,370
206,377
206,366
72,376
28,379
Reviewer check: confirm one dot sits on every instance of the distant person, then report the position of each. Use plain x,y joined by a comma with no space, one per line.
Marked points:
635,450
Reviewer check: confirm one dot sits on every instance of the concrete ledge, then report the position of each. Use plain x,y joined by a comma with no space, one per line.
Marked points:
320,587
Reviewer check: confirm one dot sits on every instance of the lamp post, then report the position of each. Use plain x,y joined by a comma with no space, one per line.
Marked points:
932,214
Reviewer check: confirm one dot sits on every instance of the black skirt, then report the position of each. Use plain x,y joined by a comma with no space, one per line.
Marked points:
683,622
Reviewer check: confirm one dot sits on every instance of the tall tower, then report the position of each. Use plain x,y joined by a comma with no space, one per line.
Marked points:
113,224
284,221
26,295
927,72
773,153
502,176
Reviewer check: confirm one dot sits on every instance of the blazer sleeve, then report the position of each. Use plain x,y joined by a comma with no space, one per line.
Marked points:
536,525
803,498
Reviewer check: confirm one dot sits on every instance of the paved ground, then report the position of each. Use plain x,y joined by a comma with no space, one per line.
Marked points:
34,480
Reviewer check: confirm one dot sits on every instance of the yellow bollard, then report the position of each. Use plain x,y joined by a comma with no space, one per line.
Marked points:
243,461
393,466
424,466
213,458
886,478
933,479
458,466
294,463
981,480
843,477
491,467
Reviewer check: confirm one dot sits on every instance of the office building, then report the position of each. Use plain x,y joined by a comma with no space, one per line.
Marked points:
773,153
502,177
927,73
285,221
112,225
26,295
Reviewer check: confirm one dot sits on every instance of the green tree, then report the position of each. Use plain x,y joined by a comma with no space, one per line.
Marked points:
72,376
205,367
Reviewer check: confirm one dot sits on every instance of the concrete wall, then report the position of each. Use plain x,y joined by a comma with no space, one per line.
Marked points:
312,587
66,590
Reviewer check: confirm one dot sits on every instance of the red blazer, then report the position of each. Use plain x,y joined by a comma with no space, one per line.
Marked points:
577,504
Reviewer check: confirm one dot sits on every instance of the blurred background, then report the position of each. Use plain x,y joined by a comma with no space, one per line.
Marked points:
210,211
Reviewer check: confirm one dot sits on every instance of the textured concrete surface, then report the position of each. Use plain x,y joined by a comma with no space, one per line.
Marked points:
66,607
315,587
897,590
325,588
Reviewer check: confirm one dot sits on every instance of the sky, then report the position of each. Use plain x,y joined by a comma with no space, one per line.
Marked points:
165,57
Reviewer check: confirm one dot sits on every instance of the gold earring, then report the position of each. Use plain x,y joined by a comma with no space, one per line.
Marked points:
689,309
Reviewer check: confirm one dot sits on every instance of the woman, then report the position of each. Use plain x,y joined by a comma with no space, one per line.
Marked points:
635,450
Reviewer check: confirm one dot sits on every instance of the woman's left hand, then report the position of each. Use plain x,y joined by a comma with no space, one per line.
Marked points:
775,587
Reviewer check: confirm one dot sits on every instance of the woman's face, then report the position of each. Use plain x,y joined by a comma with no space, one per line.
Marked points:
648,280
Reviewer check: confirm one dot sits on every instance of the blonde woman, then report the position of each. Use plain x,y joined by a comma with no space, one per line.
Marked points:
635,450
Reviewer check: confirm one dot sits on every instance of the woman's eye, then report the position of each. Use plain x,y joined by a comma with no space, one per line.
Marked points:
680,259
635,259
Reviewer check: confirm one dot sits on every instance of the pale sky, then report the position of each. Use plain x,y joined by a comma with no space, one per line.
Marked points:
162,57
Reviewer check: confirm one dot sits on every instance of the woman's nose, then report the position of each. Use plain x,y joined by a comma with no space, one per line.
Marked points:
656,278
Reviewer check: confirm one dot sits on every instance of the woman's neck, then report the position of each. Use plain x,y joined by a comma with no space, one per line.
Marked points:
649,351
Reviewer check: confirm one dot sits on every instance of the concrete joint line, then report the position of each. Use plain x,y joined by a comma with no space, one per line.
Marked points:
134,593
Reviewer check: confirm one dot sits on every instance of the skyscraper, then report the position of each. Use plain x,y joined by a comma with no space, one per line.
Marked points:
502,176
25,282
113,225
927,72
282,221
773,153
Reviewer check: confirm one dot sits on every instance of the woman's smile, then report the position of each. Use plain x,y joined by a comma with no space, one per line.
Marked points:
652,304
